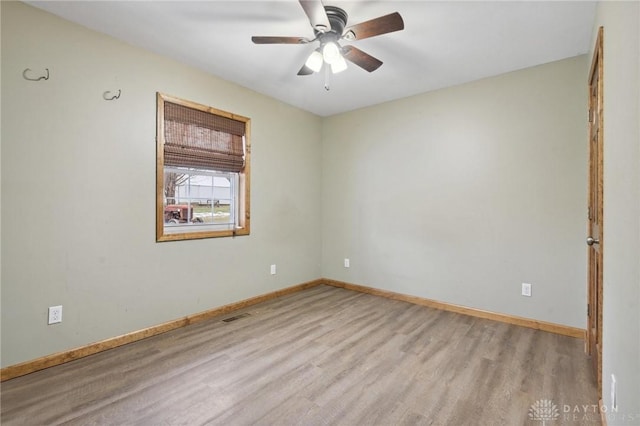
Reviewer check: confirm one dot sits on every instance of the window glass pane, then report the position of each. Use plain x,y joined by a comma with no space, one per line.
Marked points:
199,198
222,192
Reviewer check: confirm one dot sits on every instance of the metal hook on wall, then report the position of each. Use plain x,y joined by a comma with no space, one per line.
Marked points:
108,97
26,77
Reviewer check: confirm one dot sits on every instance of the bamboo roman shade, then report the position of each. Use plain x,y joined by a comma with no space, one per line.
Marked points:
203,140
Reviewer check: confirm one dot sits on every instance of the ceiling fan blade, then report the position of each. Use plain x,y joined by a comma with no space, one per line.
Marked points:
305,70
360,58
317,15
382,25
279,40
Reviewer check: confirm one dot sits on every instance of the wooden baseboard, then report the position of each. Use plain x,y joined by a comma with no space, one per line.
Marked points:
509,319
47,361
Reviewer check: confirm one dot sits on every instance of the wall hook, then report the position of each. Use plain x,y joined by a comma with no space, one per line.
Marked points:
26,77
108,97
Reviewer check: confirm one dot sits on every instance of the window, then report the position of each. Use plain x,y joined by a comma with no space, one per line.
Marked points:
202,188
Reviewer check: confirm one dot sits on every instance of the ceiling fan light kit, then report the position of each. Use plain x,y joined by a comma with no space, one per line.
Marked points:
328,23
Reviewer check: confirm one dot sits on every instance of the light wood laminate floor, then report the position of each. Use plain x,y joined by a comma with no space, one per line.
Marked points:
321,356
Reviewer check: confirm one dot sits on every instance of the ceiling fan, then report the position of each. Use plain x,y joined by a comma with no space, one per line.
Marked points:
330,27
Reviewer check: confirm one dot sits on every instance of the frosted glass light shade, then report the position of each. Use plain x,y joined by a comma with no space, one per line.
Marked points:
338,65
331,53
314,61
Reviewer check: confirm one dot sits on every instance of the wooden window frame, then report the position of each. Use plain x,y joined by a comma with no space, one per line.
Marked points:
242,227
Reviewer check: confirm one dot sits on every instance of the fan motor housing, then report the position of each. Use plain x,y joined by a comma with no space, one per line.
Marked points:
337,18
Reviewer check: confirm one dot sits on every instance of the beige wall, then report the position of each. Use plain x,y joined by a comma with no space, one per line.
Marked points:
462,194
78,192
621,240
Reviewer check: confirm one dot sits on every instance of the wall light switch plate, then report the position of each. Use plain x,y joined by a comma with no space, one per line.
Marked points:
273,269
346,263
526,289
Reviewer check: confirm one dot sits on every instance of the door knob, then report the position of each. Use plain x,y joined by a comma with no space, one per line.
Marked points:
591,241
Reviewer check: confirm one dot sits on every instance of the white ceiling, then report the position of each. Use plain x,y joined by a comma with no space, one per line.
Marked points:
443,43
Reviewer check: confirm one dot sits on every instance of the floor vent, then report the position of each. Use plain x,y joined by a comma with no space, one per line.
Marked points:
237,317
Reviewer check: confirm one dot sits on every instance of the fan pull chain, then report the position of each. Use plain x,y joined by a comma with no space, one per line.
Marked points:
327,77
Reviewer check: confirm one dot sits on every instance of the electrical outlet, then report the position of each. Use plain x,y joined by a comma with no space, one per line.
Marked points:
526,289
55,314
346,263
273,269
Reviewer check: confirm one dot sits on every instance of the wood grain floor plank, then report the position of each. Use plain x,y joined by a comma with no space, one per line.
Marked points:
322,356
